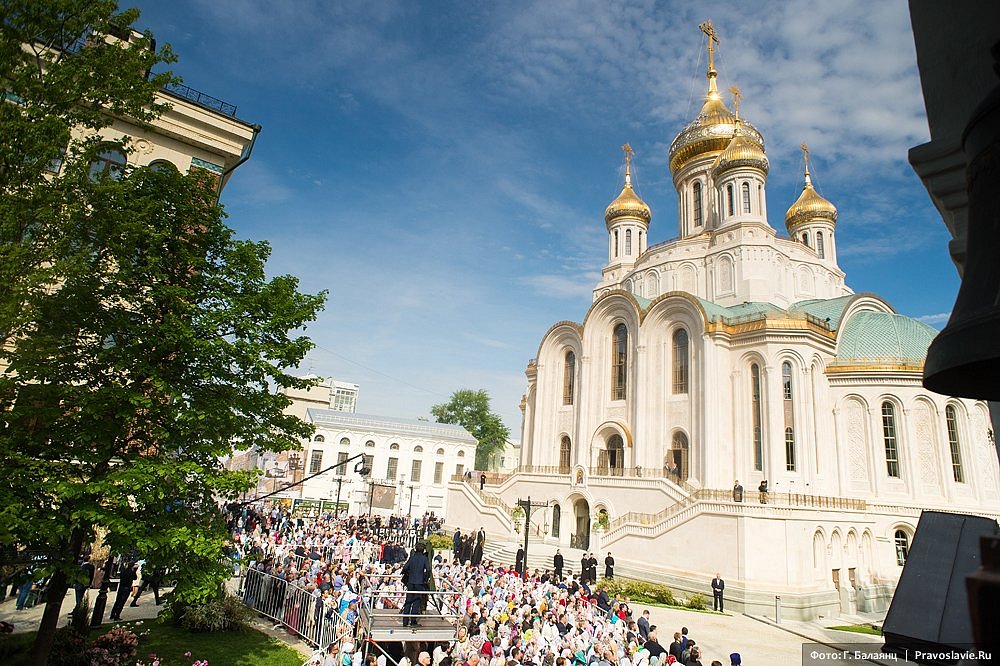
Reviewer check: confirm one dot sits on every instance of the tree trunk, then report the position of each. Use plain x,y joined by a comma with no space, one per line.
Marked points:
58,586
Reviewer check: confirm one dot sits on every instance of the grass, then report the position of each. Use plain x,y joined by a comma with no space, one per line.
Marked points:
169,643
859,629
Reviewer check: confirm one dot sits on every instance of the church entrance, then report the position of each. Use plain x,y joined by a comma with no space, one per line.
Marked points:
581,513
675,462
611,460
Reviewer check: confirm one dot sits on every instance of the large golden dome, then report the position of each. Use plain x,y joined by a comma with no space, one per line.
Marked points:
809,206
628,203
711,131
740,152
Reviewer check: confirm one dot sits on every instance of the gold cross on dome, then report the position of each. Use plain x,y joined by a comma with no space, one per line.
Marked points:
713,39
737,96
627,149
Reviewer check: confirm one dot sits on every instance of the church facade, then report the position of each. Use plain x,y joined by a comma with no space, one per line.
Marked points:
729,360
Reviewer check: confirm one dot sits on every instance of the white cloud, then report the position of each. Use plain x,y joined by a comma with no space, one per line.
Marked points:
935,319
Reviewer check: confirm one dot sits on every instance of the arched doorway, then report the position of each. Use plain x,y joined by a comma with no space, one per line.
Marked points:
581,513
611,459
675,462
556,518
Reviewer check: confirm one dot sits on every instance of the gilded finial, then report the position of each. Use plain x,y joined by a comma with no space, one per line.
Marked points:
713,39
627,149
737,96
805,158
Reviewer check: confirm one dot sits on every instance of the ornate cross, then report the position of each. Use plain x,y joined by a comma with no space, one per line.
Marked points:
737,96
713,39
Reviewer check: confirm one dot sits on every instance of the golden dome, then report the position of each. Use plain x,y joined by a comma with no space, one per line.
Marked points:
712,130
628,203
809,206
740,153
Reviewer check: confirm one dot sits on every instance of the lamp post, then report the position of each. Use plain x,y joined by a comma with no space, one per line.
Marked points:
527,505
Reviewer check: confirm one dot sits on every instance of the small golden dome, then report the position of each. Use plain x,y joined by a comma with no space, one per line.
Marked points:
628,203
740,153
809,206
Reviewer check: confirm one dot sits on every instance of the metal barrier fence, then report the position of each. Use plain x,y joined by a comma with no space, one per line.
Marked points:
302,612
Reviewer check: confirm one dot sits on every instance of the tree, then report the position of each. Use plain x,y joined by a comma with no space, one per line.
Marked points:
471,410
140,341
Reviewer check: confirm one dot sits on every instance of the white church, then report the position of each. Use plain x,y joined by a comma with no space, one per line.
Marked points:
735,354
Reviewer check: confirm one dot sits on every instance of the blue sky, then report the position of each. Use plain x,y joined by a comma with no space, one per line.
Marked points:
443,167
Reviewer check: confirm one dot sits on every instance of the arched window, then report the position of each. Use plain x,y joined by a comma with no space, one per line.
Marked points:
730,202
440,452
616,242
461,453
760,198
680,361
370,444
951,418
108,163
758,419
569,377
619,362
639,247
616,455
628,242
902,546
819,244
746,197
418,449
319,438
556,517
678,456
697,204
789,449
889,438
565,446
786,380
344,441
805,238
395,447
162,166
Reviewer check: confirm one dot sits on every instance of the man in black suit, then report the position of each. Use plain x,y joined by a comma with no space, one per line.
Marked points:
416,573
609,566
584,567
519,562
718,586
557,563
643,625
125,579
456,543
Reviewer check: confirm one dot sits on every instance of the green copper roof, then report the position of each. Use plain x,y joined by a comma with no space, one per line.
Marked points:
824,308
883,335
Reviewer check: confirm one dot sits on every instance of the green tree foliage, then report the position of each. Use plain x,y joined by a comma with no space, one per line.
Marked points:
471,410
140,340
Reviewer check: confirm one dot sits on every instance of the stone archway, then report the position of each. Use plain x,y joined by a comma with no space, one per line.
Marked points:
581,524
676,461
611,459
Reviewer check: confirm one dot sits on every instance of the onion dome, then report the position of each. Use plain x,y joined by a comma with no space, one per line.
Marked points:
740,153
628,203
810,205
712,130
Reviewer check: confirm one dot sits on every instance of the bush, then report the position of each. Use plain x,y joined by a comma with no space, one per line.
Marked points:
697,602
114,648
226,613
441,543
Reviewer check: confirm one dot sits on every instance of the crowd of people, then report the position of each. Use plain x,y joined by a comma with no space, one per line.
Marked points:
506,618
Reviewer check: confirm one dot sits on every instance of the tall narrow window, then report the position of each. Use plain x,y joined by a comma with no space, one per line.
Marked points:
569,377
556,519
415,471
951,417
459,470
565,446
789,449
788,413
616,455
730,203
680,349
697,205
819,244
902,546
316,462
619,362
805,239
746,197
438,473
628,242
758,432
639,247
889,438
616,242
391,469
341,458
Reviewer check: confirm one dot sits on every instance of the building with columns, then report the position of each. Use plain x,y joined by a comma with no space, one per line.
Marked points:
727,358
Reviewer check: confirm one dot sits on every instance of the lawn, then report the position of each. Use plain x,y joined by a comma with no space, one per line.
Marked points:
169,643
859,629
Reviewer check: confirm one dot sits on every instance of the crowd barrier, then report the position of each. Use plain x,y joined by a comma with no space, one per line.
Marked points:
299,610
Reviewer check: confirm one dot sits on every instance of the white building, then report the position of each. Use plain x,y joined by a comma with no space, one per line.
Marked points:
325,394
416,458
733,352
